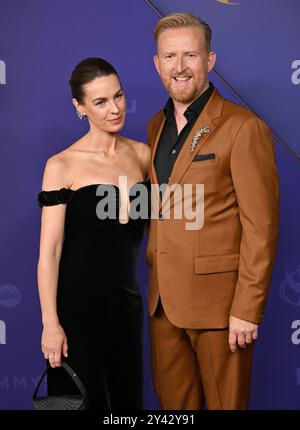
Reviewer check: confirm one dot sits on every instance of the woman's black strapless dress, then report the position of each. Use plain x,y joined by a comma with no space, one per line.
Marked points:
99,304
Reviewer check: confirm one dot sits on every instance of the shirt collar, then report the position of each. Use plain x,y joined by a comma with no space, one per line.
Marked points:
193,109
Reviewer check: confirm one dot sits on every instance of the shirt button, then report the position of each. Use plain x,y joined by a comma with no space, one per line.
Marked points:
173,151
161,217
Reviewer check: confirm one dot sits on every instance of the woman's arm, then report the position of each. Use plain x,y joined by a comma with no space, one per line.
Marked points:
54,340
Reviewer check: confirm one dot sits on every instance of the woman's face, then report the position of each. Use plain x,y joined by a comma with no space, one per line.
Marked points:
104,103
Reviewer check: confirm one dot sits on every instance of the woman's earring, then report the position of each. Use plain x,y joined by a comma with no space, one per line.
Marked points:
80,115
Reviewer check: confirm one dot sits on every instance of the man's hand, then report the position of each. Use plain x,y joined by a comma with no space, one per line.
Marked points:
241,333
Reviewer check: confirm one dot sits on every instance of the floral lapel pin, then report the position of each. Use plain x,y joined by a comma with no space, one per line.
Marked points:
197,137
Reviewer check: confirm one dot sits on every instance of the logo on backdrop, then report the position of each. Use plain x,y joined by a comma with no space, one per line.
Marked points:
228,2
296,334
295,78
2,333
289,289
131,108
20,383
10,296
2,72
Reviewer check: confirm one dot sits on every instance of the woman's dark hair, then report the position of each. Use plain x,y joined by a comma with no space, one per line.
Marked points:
86,71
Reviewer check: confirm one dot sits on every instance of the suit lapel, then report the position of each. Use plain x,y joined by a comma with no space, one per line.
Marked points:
212,110
158,127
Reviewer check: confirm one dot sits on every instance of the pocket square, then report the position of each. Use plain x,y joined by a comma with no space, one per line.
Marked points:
201,157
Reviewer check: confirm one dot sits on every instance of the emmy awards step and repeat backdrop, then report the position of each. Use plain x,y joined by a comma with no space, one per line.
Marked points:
41,41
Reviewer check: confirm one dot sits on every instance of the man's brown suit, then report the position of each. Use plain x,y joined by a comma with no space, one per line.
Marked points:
198,278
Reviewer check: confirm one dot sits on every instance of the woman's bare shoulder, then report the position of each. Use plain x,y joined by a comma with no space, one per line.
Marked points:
63,160
142,153
56,171
143,149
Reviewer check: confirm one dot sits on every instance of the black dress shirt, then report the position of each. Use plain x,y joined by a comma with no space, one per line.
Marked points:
170,143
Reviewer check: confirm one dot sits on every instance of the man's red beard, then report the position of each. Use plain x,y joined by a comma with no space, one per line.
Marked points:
182,95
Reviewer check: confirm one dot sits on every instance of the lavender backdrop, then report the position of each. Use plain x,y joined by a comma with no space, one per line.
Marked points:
40,42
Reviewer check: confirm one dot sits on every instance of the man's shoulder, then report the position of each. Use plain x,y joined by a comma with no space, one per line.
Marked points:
232,108
156,117
154,123
238,117
234,111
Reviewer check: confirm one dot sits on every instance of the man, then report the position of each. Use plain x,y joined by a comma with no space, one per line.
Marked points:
208,286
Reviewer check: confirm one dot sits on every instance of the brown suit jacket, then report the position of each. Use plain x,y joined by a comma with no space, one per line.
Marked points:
204,275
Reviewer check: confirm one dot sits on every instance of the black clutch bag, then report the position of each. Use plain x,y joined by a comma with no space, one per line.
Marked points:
65,402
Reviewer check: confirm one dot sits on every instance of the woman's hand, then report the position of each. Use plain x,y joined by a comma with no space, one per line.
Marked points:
54,344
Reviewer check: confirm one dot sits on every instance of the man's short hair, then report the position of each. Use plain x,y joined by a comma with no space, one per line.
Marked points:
183,19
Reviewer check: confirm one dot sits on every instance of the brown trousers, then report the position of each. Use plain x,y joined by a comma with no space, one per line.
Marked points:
192,368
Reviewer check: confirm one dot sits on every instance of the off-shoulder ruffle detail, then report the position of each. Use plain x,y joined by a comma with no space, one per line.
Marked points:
55,197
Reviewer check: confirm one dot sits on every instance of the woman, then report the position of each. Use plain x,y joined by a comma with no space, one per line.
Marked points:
91,305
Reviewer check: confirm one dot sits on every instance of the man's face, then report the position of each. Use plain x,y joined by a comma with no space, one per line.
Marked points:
183,63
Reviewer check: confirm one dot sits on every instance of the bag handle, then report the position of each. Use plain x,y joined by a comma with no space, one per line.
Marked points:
73,376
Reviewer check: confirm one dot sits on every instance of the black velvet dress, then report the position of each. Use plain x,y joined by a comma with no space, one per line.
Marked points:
99,304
